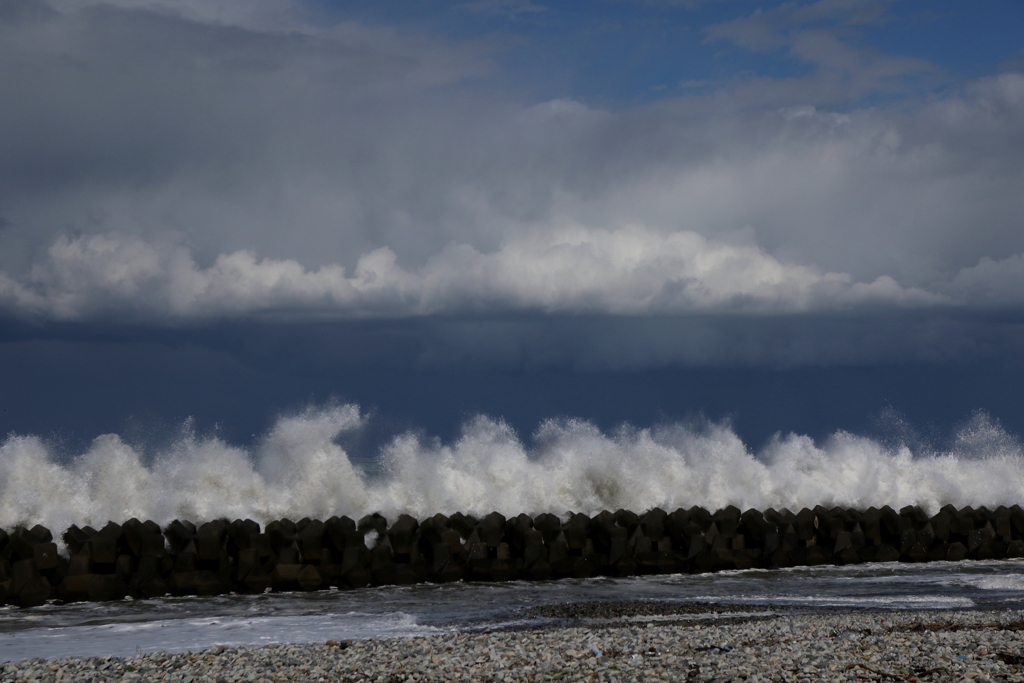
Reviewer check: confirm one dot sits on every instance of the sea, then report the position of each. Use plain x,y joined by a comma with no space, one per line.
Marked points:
301,468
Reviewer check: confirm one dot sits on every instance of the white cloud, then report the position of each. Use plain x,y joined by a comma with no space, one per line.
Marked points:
629,271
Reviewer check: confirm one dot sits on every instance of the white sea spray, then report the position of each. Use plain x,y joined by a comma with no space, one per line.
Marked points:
298,469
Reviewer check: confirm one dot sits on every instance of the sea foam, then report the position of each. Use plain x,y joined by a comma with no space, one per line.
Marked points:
298,469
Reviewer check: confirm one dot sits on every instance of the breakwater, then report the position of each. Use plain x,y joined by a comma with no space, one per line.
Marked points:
142,559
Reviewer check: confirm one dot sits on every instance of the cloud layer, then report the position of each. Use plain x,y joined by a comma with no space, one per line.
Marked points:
631,271
179,162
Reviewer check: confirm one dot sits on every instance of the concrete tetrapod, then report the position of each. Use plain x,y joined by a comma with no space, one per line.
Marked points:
141,559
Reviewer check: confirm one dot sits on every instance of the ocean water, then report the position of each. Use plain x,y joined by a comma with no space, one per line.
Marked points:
299,469
175,624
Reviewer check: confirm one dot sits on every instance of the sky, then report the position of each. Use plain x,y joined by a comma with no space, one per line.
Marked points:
790,217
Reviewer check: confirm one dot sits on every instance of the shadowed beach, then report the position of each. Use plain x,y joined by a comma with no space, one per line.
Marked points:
640,642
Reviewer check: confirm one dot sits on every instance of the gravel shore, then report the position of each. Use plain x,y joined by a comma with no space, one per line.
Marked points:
639,641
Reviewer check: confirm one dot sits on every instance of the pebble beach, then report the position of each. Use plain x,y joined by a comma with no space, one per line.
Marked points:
613,641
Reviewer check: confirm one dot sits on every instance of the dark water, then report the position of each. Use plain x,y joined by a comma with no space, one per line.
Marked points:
131,626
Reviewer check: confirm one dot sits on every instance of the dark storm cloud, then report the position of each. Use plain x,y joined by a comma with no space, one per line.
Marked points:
184,164
72,382
535,343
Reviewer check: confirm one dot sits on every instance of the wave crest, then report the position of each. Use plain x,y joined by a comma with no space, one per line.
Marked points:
298,469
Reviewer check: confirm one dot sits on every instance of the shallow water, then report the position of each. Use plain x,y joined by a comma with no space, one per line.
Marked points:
174,624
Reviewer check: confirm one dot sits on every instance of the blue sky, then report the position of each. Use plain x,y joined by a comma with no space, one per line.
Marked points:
621,211
621,52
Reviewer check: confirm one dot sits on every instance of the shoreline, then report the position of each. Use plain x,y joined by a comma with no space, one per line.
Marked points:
638,641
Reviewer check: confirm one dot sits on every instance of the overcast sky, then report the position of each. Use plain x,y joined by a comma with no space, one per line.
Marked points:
226,208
